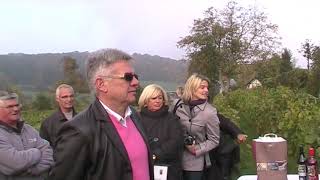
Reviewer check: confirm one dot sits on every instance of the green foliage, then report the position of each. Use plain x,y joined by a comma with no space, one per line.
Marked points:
306,50
314,77
225,38
296,79
73,76
82,101
268,71
35,117
286,64
293,115
42,101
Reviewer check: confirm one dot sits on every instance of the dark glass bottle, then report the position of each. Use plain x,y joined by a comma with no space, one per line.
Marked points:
302,167
312,166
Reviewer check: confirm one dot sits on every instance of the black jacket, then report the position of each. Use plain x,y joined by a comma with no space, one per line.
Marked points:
89,148
229,132
51,125
165,138
227,153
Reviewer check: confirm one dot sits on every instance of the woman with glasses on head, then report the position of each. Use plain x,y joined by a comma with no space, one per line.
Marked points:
163,130
200,126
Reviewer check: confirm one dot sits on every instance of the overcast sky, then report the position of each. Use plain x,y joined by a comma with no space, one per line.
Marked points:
142,26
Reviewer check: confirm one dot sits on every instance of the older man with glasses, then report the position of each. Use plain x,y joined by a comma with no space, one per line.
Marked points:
51,125
23,154
106,140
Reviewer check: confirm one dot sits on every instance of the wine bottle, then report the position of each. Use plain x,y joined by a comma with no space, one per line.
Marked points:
302,167
312,166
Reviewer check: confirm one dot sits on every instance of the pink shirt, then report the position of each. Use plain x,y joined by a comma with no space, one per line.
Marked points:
135,146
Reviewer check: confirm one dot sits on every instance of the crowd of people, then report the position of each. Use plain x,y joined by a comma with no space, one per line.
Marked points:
112,140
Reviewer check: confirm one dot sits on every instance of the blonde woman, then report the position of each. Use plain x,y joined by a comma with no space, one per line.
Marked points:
200,126
163,129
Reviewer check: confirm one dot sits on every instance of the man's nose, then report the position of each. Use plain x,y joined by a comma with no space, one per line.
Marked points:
16,108
134,82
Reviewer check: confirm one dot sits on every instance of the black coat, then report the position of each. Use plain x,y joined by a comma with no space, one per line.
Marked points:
165,138
51,125
227,153
89,148
229,131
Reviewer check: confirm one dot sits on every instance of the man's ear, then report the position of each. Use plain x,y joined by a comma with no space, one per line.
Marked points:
101,85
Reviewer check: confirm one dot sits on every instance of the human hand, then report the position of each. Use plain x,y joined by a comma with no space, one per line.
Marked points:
241,138
191,149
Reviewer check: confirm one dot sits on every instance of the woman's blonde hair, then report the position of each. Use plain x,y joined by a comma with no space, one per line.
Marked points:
149,92
191,86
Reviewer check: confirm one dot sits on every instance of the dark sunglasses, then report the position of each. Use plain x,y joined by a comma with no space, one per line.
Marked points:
129,76
126,76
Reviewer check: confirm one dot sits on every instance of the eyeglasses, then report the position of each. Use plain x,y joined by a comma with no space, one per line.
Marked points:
66,97
10,107
126,76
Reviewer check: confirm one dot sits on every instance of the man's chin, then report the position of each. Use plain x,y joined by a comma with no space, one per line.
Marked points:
131,100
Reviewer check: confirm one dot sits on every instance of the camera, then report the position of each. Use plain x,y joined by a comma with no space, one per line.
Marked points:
188,140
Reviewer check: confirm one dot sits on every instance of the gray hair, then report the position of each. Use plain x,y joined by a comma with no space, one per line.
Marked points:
100,61
4,95
63,86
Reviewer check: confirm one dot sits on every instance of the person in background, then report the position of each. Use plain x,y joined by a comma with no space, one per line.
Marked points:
200,126
105,141
23,153
179,91
227,154
163,129
51,125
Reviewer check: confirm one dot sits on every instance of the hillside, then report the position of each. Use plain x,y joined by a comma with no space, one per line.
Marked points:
41,71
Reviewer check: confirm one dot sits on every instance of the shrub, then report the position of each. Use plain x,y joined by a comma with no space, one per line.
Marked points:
293,115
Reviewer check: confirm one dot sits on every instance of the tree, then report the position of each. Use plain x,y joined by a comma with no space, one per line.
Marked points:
306,49
42,101
286,64
72,75
223,39
268,71
314,73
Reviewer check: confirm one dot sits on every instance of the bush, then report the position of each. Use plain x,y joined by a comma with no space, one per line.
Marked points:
42,101
290,114
35,117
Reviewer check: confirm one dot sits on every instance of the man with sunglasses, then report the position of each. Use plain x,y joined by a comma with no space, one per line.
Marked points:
50,126
23,154
106,140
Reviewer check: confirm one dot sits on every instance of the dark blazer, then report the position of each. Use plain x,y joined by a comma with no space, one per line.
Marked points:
227,153
165,139
51,125
228,130
89,148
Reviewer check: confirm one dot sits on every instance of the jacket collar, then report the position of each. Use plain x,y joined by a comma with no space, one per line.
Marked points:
155,114
201,106
61,117
20,124
109,129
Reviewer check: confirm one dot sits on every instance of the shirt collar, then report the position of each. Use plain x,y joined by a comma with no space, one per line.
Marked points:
121,120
